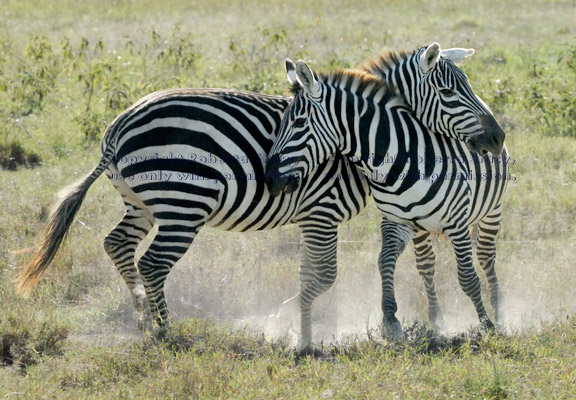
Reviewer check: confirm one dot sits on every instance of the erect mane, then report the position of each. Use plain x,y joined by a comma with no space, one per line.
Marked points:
361,81
295,88
355,80
386,61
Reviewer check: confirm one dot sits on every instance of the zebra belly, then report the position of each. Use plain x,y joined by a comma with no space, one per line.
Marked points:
423,206
331,194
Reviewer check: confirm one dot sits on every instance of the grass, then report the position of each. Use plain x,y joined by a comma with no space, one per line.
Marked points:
67,68
200,360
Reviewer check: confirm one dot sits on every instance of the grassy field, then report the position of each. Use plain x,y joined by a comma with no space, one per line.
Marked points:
67,68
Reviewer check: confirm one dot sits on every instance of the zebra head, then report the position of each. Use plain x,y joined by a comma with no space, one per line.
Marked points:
441,96
300,150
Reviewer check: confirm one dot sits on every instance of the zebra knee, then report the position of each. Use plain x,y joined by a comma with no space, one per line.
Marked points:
111,245
320,284
328,279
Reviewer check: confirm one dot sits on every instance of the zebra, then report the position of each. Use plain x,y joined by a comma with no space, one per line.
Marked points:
431,84
185,158
432,184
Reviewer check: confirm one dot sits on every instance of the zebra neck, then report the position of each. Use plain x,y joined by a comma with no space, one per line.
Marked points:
352,119
381,134
405,76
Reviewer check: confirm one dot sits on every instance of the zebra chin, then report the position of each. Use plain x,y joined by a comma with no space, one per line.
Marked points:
480,145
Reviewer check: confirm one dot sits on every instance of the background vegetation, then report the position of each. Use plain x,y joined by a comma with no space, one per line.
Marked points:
67,68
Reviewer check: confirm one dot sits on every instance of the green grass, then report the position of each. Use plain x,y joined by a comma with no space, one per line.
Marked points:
203,361
67,68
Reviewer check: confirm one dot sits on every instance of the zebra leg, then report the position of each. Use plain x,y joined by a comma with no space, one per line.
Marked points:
121,244
395,237
467,276
169,245
425,263
486,252
318,272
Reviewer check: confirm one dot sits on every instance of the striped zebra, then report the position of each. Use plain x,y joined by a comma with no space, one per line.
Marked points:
421,181
431,84
186,158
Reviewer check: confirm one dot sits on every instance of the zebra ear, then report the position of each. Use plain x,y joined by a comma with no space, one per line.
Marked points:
306,78
456,55
430,57
291,72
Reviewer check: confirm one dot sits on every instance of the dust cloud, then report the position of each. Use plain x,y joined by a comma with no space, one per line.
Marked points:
242,280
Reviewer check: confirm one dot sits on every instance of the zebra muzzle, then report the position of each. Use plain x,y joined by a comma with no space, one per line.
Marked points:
492,140
291,184
279,183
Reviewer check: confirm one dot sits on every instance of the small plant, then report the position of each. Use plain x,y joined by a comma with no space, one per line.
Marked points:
34,77
259,60
24,340
13,155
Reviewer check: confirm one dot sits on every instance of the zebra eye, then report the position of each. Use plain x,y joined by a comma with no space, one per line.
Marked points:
447,92
299,122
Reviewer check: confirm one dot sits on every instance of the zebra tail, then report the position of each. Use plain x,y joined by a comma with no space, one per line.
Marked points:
57,227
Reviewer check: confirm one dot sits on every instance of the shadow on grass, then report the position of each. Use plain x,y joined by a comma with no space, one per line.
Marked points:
200,336
13,155
22,345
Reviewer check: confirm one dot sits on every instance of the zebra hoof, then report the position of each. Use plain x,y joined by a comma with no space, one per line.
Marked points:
145,324
160,332
393,329
487,324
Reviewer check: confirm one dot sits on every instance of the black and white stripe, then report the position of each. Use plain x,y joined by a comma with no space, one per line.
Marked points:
421,181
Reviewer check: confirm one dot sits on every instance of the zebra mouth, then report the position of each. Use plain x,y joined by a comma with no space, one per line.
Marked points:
279,183
284,184
475,147
292,183
489,139
481,145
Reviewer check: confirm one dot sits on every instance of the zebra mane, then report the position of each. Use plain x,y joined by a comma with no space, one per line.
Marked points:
386,61
347,79
295,88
